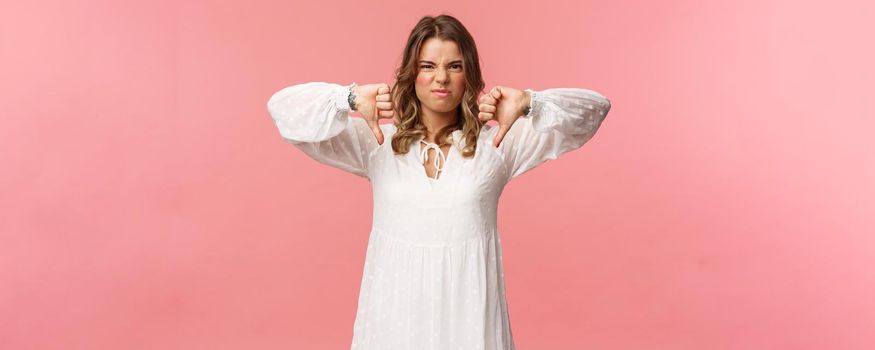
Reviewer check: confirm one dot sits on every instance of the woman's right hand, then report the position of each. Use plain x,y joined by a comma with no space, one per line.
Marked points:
374,102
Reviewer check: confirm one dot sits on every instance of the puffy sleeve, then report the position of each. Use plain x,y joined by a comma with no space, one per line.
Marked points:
560,120
314,117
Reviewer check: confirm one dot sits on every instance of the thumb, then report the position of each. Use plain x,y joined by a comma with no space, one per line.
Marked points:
375,127
374,124
502,130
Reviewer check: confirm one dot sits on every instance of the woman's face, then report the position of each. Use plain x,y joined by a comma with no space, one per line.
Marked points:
440,67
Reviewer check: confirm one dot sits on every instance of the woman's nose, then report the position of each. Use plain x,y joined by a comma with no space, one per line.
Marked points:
442,75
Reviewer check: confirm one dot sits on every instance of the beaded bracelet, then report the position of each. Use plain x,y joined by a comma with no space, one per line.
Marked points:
351,98
528,108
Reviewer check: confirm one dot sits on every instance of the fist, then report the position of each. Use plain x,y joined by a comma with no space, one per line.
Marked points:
504,105
374,102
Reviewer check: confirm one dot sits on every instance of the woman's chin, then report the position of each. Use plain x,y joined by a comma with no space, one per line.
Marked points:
444,107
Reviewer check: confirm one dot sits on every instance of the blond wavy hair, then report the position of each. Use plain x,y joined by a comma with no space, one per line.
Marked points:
407,105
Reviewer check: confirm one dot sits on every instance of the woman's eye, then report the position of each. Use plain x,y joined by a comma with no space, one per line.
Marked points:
459,66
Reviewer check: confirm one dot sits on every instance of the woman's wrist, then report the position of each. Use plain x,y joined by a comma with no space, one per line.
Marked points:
527,102
352,98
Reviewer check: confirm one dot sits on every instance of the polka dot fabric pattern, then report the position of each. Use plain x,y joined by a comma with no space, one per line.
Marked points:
433,274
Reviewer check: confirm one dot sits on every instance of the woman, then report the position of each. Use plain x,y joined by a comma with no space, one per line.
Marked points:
433,270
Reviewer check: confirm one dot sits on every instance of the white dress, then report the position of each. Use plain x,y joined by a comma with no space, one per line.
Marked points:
433,277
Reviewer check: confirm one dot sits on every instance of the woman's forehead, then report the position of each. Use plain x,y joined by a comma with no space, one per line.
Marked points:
437,51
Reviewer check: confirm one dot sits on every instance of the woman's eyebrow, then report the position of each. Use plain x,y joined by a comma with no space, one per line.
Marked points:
426,61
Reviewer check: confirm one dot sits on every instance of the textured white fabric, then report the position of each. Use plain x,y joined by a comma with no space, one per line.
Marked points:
433,274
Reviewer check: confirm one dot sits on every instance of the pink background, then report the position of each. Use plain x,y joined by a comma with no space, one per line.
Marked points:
148,201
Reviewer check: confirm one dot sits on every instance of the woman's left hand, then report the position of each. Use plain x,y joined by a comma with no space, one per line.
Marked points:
504,105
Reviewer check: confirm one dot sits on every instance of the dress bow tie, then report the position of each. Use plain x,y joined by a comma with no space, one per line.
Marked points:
438,161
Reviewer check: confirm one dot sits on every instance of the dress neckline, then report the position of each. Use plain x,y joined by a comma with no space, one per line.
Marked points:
447,159
439,159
